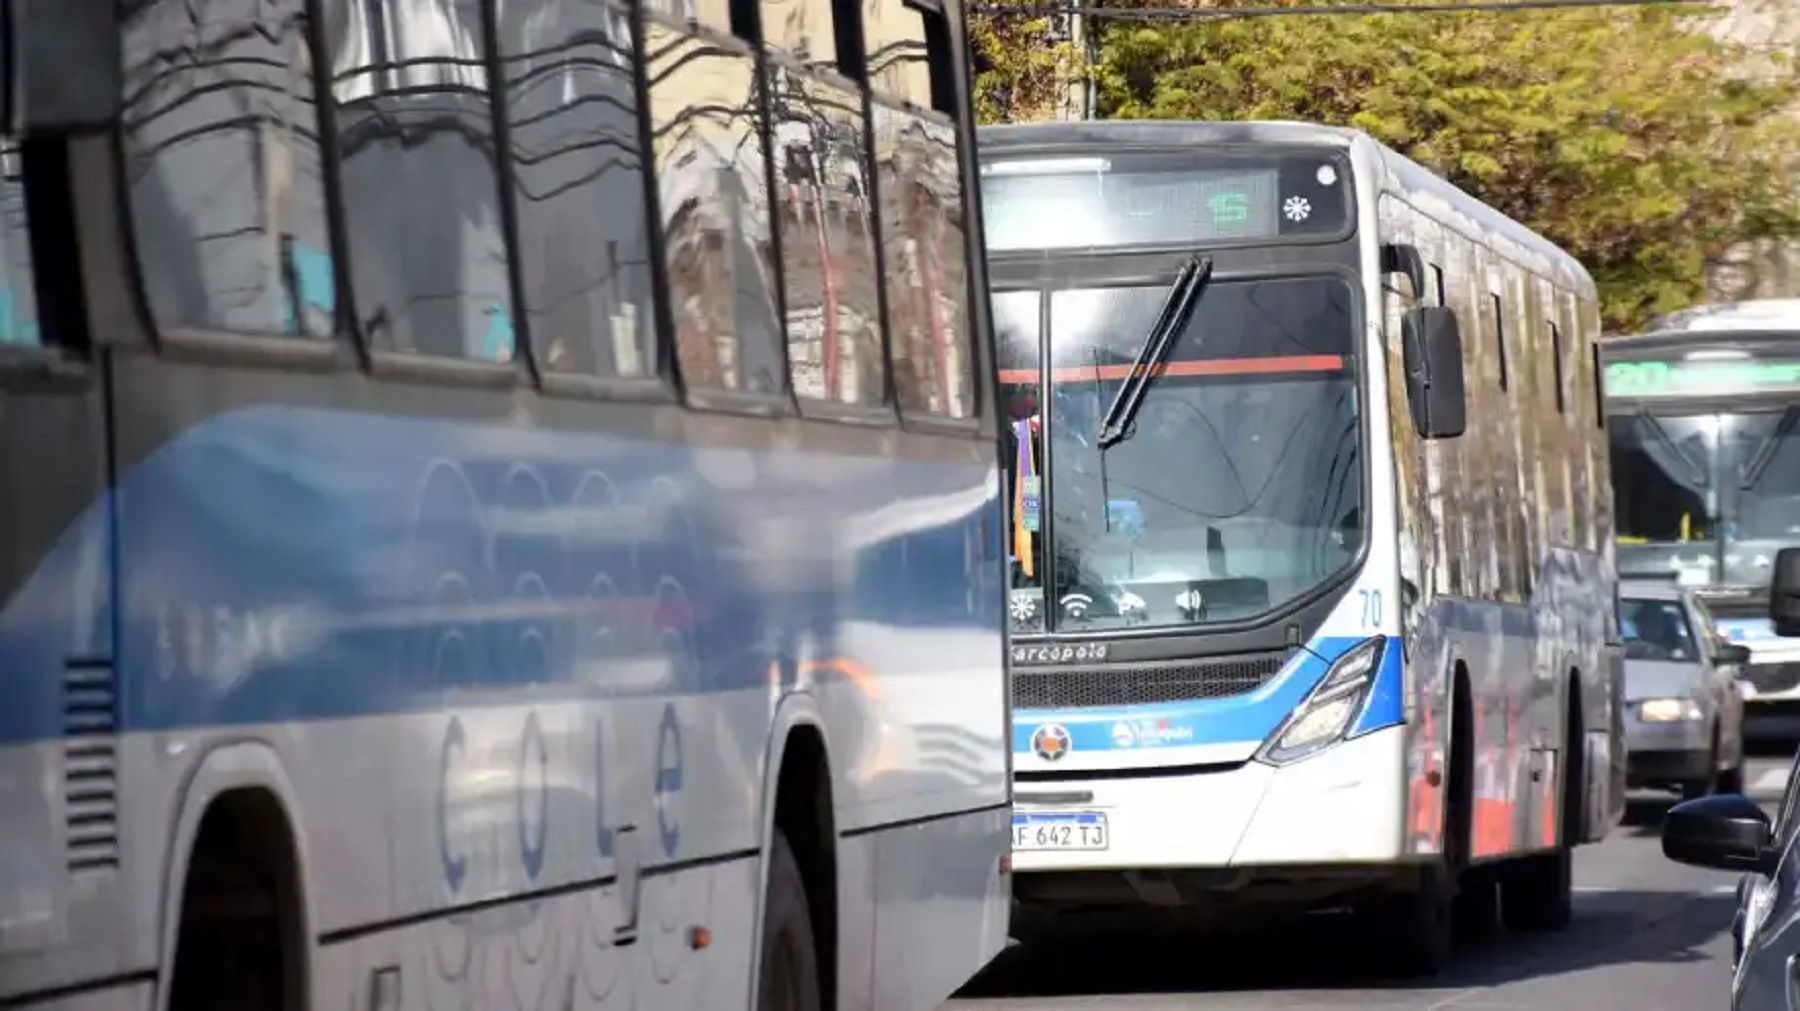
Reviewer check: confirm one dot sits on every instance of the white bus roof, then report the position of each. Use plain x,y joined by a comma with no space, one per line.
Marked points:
1432,193
1755,314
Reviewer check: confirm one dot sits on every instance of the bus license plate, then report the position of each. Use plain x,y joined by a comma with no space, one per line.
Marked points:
1085,831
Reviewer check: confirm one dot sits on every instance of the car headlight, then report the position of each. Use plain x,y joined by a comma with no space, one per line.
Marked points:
1330,709
1669,711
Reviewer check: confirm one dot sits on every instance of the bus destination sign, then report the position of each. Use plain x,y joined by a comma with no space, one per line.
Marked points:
1704,377
1044,203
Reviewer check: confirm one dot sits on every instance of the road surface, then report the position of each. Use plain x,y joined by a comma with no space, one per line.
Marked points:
1649,935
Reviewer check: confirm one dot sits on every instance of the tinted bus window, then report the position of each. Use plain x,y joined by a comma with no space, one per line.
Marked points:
421,192
219,131
578,181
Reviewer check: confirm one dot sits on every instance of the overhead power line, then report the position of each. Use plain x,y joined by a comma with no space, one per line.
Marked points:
1233,13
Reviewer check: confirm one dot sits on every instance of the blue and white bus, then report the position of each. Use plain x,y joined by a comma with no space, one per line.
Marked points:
492,522
1313,585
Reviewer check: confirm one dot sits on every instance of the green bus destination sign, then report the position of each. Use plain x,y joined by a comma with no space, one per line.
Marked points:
1113,198
1655,379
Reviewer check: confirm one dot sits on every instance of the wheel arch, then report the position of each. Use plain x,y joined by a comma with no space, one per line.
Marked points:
226,771
798,756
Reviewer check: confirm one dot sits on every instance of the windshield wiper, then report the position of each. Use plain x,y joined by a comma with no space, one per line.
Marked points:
1696,473
1765,453
1177,307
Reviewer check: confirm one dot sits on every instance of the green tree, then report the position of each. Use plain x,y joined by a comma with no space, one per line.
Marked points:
1019,71
1631,138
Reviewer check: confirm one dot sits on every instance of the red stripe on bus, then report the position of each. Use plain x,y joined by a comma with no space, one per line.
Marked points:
1212,367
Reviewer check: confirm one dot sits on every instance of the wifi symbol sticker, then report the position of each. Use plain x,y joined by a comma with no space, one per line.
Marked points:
1076,605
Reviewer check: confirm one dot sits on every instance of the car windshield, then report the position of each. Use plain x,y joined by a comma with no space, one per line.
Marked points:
1238,489
1657,630
1711,496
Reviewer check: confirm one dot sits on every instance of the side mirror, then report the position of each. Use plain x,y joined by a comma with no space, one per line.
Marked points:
1727,832
1784,592
1431,348
1731,653
40,40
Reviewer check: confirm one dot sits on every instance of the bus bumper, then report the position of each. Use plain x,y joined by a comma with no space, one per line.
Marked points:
1346,804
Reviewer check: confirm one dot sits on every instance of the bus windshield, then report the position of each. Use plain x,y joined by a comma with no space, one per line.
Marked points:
1709,495
1239,486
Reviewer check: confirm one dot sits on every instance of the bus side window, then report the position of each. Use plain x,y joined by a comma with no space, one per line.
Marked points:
832,286
219,129
18,283
1500,338
1556,364
579,188
912,80
713,190
417,168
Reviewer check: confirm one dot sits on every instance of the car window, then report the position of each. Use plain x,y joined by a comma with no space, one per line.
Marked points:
1657,630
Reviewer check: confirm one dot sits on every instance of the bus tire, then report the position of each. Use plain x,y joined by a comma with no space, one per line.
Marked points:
1537,893
1416,929
789,977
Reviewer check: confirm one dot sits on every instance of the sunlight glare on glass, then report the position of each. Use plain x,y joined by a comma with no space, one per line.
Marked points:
1045,166
1073,314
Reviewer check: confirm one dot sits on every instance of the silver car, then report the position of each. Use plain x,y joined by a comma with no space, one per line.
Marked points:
1684,711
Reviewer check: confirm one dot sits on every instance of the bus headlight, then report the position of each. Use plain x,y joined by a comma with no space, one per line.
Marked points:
1669,711
1330,709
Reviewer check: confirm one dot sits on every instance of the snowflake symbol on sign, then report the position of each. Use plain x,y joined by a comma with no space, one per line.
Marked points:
1296,209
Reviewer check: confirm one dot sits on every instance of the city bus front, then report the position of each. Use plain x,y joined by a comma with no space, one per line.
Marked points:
1704,419
1200,680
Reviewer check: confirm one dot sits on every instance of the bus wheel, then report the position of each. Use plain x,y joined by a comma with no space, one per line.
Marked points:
1537,893
790,962
1416,928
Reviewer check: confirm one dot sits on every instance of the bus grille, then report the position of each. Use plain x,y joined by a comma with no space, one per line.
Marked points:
1142,684
90,765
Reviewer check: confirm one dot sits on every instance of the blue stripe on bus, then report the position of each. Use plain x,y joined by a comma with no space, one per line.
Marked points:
271,572
1233,720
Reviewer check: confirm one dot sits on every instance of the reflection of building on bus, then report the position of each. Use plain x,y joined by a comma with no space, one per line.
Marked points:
828,240
497,607
924,257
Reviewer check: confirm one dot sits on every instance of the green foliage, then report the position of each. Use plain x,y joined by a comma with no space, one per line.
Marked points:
1631,138
1019,73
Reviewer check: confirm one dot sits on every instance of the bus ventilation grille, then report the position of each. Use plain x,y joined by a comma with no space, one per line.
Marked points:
1143,684
90,765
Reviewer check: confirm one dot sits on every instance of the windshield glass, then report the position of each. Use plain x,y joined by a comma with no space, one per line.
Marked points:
1240,487
1656,630
1711,496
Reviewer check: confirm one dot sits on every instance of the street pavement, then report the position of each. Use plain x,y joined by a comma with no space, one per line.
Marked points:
1649,935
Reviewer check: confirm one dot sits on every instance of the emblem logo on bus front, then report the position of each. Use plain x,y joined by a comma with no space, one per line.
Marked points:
1051,742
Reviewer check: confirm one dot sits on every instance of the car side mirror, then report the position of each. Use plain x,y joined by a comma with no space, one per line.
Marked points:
40,40
1731,653
1727,832
1431,349
1784,592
